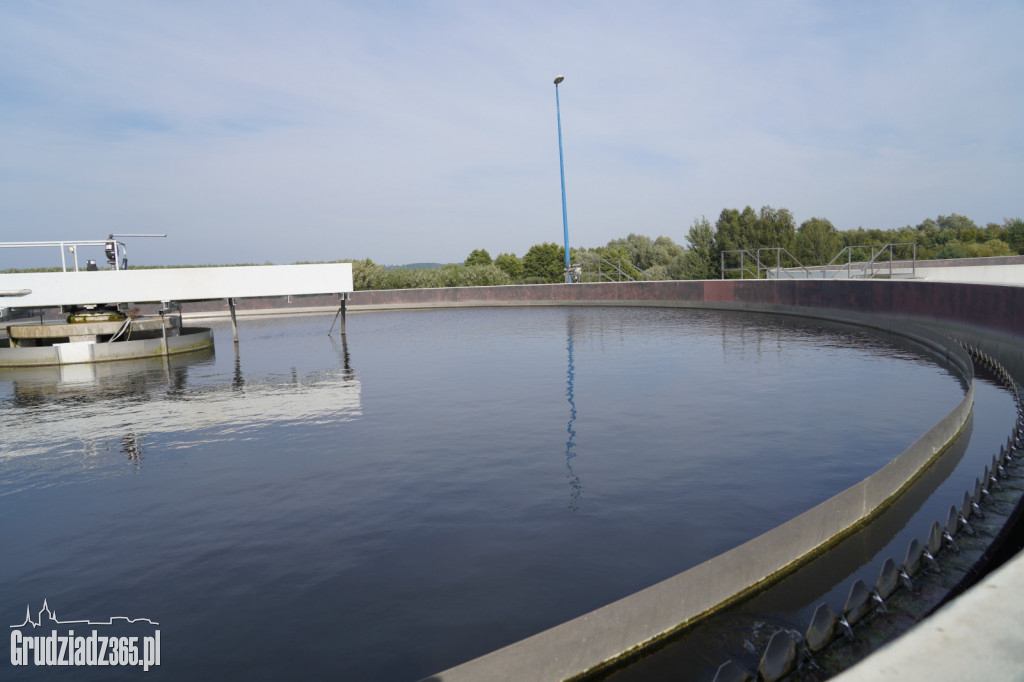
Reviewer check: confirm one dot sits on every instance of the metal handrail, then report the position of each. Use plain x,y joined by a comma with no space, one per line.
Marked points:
757,267
111,244
758,263
615,274
869,265
64,246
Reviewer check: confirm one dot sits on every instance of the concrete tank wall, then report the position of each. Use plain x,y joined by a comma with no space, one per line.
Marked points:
990,307
990,316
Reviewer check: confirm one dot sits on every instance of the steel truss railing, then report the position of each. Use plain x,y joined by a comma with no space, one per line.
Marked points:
604,270
862,261
751,261
873,266
114,250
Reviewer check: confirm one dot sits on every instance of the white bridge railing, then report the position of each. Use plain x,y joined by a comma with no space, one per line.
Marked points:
115,251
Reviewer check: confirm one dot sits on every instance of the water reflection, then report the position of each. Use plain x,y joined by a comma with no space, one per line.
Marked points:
99,381
178,402
342,348
237,379
132,446
576,494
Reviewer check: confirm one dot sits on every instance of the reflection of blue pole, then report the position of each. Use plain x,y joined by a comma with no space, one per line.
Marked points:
576,489
561,168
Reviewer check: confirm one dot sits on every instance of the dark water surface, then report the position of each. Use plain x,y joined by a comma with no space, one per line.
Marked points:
444,483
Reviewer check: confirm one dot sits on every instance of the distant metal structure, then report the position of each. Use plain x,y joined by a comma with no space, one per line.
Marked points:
863,261
604,270
755,263
115,251
102,326
870,261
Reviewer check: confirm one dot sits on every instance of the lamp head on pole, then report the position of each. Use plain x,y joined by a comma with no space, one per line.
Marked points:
559,79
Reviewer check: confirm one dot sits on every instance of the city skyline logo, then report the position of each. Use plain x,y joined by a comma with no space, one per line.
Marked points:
52,617
67,649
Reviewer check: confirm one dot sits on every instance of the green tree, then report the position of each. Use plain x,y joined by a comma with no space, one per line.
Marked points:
775,228
961,227
620,257
656,272
817,242
700,261
925,236
995,231
735,229
669,255
478,257
511,264
637,249
771,228
366,274
1015,234
993,247
951,249
545,262
474,276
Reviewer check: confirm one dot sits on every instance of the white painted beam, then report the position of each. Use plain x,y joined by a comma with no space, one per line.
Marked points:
48,289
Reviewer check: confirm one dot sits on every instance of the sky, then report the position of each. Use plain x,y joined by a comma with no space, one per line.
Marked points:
408,131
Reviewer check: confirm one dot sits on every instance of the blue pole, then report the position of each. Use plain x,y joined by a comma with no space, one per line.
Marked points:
561,168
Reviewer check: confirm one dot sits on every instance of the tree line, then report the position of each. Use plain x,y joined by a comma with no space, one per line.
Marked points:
815,241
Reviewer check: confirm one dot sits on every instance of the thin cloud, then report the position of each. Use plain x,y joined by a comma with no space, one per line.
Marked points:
418,132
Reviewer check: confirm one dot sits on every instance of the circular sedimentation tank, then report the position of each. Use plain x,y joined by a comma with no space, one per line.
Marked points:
276,541
983,318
